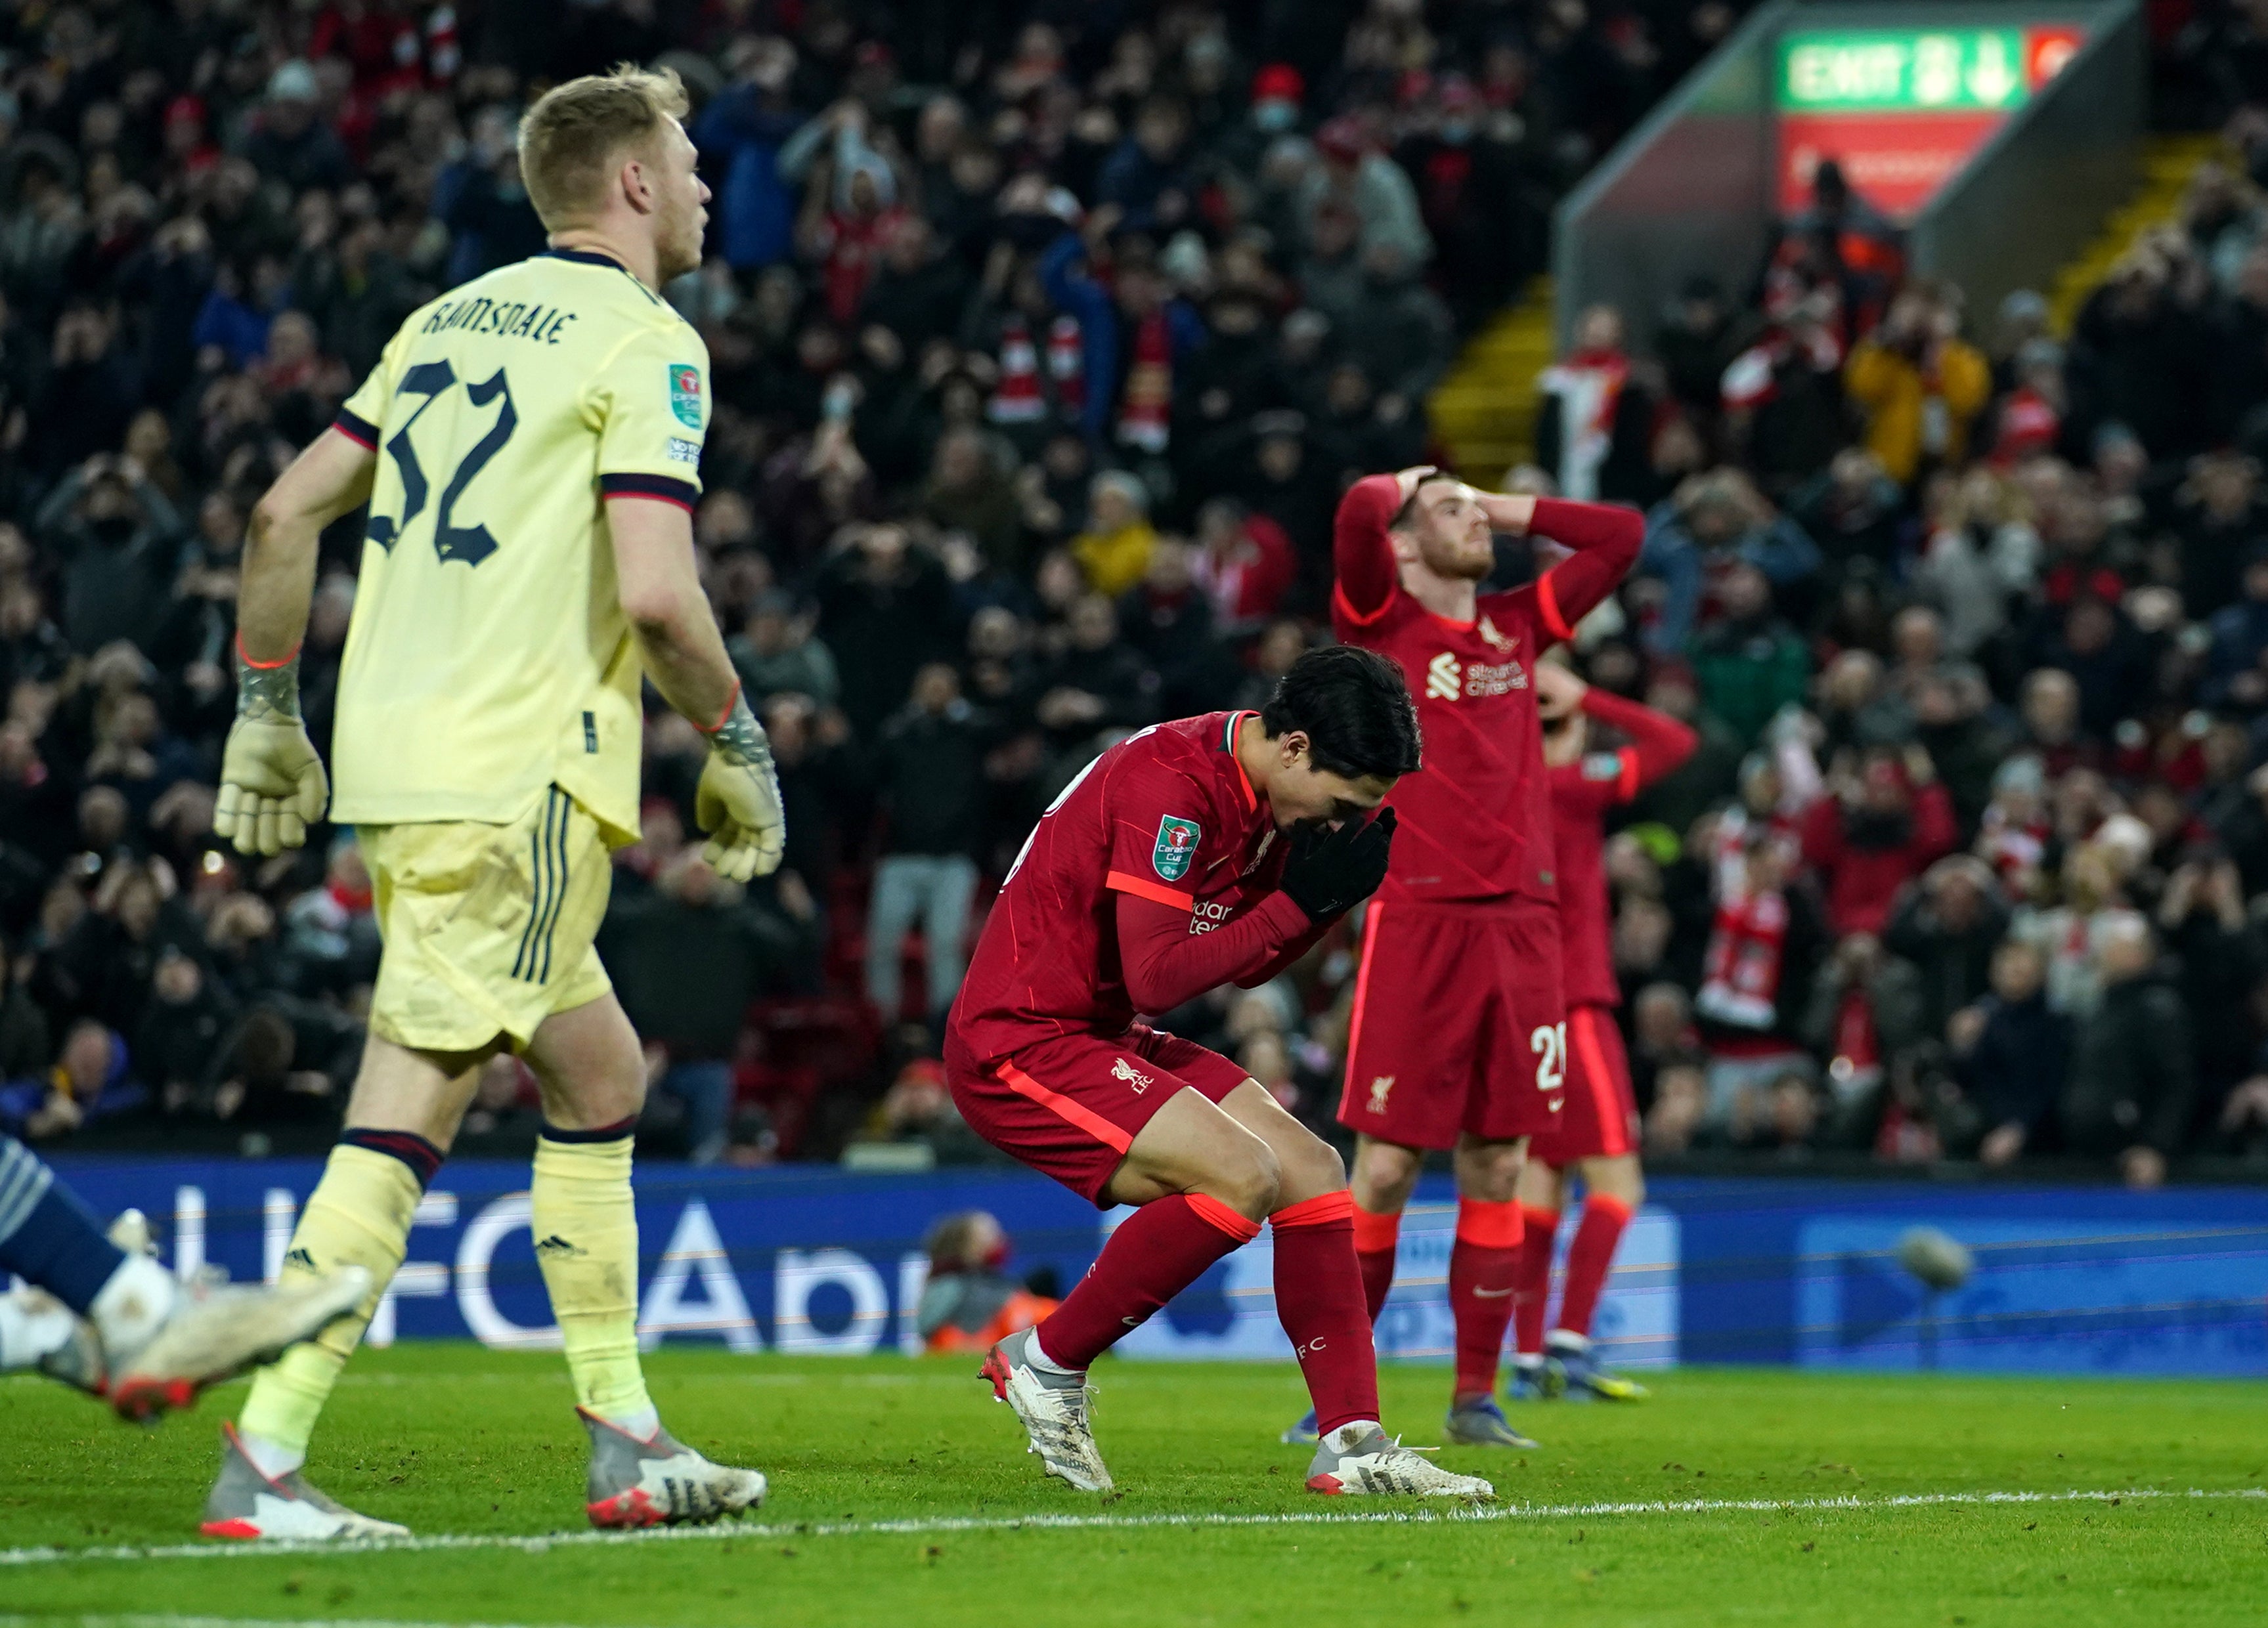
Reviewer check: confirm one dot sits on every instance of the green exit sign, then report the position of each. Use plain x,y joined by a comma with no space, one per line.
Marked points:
1888,70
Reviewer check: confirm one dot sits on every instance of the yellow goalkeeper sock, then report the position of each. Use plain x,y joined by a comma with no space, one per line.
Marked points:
358,1215
585,1227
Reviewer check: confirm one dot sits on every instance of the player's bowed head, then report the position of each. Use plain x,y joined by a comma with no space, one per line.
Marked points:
1338,731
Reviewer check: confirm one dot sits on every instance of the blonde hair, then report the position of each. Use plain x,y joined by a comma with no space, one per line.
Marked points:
570,138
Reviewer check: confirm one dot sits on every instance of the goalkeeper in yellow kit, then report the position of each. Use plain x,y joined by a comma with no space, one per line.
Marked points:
528,447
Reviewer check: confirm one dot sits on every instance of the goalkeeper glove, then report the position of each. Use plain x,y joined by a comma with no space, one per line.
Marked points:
1328,872
272,786
738,801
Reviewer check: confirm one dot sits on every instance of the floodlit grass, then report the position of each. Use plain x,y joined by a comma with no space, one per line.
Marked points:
1733,1496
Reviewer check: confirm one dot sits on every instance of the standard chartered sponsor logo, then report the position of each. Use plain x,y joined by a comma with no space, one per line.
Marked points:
1444,678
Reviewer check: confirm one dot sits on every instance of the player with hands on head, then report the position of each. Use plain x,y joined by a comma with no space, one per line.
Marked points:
1597,1135
1457,1039
1205,851
528,449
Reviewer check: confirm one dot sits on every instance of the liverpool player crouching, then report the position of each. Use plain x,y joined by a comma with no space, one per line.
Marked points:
1596,1133
1195,853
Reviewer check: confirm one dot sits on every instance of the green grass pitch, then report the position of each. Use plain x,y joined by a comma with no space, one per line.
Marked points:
901,1495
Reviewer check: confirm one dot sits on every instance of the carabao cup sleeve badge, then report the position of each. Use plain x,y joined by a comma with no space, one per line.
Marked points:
685,394
1177,846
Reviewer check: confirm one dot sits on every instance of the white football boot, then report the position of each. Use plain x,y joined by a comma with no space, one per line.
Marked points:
246,1505
1053,1406
216,1330
659,1481
1362,1459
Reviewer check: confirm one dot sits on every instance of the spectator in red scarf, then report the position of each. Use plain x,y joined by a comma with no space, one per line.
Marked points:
1876,830
1766,932
2031,415
1130,332
1594,431
1244,562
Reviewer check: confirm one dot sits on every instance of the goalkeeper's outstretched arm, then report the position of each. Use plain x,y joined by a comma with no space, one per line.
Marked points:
738,802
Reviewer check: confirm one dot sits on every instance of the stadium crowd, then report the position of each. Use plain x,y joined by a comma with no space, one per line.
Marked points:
1044,337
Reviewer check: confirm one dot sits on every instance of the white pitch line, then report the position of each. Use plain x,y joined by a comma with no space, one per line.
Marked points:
941,1524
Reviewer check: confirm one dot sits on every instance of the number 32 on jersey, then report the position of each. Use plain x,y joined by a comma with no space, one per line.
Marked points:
451,540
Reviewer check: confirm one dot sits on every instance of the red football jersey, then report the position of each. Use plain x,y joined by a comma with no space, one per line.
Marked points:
1167,815
1581,793
1476,820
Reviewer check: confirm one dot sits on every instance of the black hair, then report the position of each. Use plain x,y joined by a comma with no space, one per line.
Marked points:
1353,708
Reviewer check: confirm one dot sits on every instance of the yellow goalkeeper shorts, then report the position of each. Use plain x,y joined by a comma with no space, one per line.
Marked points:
487,928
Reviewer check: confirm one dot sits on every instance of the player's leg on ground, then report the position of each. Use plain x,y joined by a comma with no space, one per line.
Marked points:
102,1315
1385,1175
1319,1291
1614,1188
1542,1188
81,1280
401,1118
591,1073
1484,1257
49,1238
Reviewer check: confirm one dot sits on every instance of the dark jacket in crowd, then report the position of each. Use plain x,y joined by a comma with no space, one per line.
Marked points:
2133,1075
685,972
929,772
1955,964
2016,1071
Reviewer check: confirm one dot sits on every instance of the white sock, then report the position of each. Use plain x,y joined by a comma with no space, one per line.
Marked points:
133,1306
1040,1359
31,1326
1347,1434
271,1459
642,1424
1567,1340
1527,1358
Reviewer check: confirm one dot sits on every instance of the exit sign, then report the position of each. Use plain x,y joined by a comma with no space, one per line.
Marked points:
1917,70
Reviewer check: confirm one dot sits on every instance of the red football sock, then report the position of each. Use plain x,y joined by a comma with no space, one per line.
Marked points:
1156,1253
1540,1229
1319,1298
1375,1238
1588,1257
1484,1272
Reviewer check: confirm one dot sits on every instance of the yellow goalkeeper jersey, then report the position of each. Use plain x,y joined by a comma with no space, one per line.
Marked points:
489,657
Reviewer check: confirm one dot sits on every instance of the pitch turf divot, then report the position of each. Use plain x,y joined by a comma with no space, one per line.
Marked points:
1469,1515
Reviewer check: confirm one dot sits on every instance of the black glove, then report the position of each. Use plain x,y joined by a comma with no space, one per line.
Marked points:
1330,872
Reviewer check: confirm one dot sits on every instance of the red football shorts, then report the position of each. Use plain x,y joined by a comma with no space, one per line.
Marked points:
1071,1106
1600,1119
1457,1024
